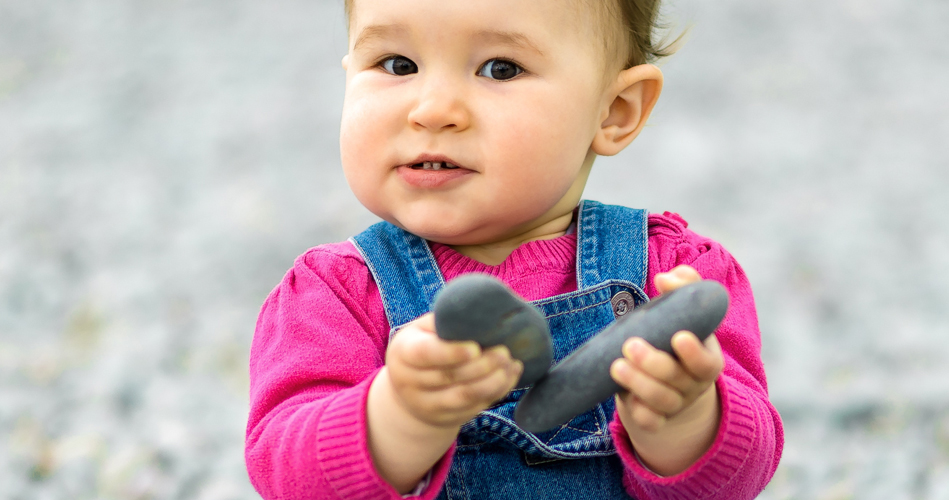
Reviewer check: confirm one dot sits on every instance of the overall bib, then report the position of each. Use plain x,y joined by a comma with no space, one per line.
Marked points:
495,458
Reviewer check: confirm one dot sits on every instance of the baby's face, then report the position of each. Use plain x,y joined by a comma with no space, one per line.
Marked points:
505,96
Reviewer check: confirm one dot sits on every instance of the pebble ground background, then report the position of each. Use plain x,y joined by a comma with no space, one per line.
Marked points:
163,162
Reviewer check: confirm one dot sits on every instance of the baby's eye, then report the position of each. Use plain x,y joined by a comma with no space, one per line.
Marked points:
500,69
400,66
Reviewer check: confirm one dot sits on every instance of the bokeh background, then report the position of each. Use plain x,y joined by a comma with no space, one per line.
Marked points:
163,161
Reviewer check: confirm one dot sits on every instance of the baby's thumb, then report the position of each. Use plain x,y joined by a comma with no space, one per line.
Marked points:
676,277
424,322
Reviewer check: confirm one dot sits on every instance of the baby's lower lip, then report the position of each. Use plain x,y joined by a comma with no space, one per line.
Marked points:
430,179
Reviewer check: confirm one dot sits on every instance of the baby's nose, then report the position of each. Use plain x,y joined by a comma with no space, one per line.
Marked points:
440,106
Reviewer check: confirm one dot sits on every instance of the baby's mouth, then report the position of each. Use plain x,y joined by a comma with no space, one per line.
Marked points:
434,165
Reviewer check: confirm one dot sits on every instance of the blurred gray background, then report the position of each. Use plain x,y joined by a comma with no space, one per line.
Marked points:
163,162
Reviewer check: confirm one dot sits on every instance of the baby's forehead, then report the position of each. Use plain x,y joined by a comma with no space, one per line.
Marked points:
595,21
596,17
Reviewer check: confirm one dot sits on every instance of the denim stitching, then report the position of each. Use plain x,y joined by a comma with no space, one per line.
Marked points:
546,449
479,424
577,310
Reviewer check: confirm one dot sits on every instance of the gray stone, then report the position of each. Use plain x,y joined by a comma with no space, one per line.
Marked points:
478,307
582,379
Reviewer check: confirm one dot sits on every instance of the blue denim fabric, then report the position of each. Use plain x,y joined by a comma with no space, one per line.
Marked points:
495,458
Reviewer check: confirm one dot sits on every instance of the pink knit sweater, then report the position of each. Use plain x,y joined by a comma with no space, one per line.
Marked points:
322,334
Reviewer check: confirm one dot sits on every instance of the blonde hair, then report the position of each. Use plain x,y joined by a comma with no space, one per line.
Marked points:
635,27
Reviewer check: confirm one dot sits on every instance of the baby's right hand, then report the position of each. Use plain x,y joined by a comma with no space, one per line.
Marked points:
445,383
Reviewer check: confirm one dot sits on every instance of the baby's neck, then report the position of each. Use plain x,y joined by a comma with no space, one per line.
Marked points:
497,252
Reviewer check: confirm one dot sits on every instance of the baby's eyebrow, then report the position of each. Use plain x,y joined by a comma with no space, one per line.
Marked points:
377,31
509,38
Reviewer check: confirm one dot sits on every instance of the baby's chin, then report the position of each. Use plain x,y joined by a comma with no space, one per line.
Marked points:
455,223
446,235
452,234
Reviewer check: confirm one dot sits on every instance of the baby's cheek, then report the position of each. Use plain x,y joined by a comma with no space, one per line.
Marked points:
541,159
358,134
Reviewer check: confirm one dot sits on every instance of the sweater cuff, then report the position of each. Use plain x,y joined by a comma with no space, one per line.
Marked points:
713,470
343,451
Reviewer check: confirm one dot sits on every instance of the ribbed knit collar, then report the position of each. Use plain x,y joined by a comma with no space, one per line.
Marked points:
558,255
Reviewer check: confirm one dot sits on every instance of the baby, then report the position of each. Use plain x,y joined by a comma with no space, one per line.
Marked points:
470,128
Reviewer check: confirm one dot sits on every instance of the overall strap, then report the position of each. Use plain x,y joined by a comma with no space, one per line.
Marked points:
404,269
612,244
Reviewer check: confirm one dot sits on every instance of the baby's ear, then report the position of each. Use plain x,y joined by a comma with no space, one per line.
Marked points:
634,93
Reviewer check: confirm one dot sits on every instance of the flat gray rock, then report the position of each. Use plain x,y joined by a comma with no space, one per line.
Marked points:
582,379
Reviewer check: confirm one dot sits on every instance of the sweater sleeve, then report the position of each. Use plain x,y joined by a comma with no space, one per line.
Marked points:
319,342
748,445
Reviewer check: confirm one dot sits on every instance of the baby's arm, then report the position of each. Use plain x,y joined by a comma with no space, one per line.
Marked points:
746,446
427,390
670,408
320,343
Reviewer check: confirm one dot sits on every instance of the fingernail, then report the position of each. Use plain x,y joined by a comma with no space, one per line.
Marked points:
636,348
473,350
501,354
678,335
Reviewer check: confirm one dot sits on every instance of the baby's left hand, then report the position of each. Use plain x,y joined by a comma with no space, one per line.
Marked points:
658,388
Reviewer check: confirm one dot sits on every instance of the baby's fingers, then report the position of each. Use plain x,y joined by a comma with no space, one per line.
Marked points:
431,352
474,396
646,390
492,359
657,363
704,362
676,277
419,347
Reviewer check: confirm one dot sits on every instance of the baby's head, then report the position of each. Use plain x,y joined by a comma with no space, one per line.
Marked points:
470,123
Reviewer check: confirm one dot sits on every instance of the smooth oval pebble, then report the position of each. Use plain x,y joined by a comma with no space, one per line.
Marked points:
478,307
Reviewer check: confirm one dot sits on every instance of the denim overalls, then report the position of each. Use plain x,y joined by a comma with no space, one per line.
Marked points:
495,458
